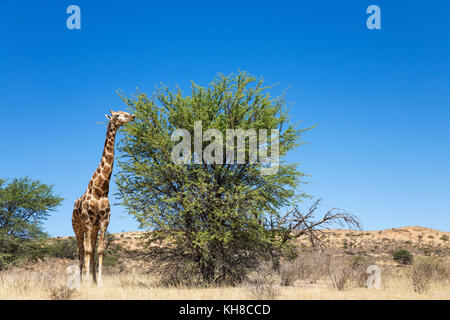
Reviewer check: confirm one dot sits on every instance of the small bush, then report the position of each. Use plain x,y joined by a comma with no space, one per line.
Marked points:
421,274
358,261
345,244
135,283
65,248
340,277
62,293
16,252
110,260
444,238
427,269
311,266
402,256
359,265
289,272
179,275
261,283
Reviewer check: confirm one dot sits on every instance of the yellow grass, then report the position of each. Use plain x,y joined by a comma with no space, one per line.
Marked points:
40,285
46,279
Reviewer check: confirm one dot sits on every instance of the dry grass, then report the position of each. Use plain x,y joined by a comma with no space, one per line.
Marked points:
330,275
261,283
425,270
48,282
133,286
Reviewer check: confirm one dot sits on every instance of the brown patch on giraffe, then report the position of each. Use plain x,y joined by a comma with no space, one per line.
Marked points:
105,185
94,205
97,193
109,158
99,182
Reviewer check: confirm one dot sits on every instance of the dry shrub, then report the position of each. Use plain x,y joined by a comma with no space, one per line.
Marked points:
359,276
289,271
312,266
345,275
341,277
23,281
261,283
424,270
48,275
359,265
62,293
135,283
17,283
179,275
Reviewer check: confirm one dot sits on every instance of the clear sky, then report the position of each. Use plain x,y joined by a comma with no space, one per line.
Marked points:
380,98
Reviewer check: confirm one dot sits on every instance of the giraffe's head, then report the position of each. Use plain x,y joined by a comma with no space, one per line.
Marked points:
119,118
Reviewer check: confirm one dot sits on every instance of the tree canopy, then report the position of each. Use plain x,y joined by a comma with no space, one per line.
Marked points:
24,205
212,216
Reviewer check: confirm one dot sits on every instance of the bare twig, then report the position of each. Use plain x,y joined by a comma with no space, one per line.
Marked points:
306,223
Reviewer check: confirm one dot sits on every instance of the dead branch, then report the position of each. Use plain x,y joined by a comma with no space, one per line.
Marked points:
307,224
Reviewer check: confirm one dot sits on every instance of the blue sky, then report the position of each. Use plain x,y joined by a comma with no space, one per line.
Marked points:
380,98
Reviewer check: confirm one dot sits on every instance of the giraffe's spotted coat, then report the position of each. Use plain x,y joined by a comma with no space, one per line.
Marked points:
91,212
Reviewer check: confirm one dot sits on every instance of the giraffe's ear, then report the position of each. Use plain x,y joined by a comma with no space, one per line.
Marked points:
108,116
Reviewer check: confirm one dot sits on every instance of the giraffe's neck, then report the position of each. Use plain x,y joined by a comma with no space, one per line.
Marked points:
99,185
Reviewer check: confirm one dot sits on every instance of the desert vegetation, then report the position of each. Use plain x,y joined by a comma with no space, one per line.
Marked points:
312,275
216,231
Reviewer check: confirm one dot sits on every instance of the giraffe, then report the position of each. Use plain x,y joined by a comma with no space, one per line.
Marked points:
91,211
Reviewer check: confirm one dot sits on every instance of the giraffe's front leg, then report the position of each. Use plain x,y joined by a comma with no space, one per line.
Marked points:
87,253
101,249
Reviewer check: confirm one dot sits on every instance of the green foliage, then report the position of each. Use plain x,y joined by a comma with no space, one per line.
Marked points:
14,251
24,204
444,237
64,248
68,248
345,244
403,256
110,260
359,261
112,251
217,218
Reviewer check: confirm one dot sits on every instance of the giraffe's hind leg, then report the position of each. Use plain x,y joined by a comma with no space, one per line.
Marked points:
94,234
79,235
87,252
